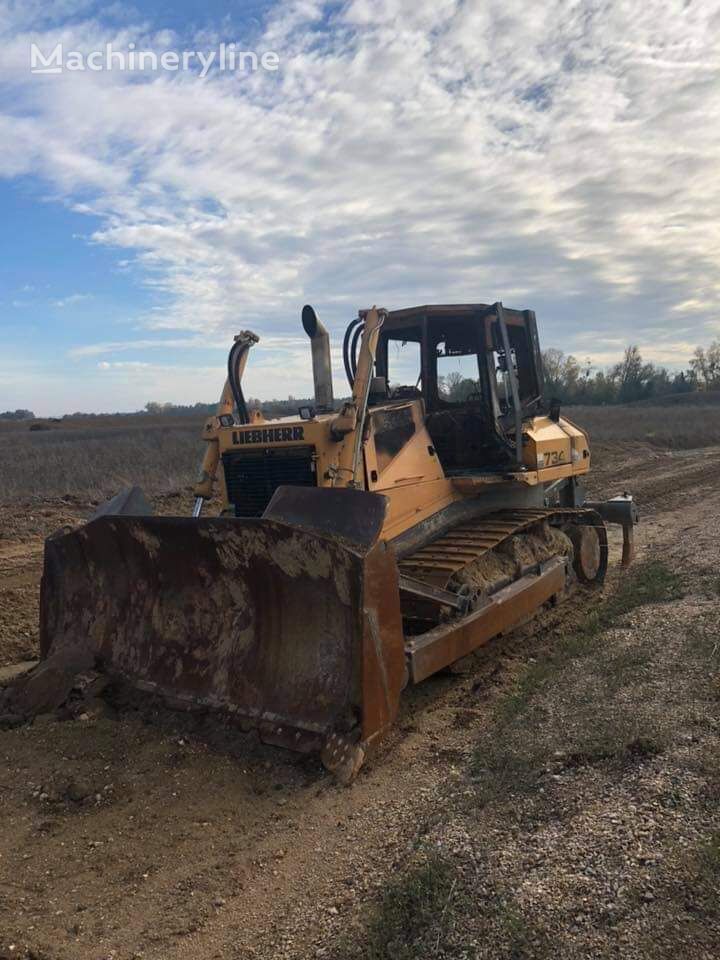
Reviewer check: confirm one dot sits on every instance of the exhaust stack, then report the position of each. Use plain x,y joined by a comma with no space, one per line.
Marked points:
322,370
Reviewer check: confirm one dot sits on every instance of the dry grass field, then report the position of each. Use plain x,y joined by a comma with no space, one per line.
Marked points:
672,426
94,457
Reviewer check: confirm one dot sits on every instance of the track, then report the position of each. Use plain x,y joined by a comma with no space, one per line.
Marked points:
440,561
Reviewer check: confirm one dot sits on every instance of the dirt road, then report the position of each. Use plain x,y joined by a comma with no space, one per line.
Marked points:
126,835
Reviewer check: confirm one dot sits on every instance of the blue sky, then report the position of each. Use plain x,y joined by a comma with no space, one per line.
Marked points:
562,156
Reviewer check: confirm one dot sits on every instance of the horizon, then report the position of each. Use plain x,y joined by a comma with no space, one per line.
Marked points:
183,408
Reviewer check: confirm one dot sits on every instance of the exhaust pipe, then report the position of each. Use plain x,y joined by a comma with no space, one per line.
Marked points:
322,370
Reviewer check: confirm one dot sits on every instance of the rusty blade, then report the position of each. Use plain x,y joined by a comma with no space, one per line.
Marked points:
251,616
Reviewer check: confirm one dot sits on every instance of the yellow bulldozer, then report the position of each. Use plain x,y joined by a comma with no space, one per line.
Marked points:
360,546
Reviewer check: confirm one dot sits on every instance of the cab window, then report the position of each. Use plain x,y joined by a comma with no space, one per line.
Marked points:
404,365
458,375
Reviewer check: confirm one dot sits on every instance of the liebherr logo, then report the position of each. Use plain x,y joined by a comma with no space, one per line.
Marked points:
268,435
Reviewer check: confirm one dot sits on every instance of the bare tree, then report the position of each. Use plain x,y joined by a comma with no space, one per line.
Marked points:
705,364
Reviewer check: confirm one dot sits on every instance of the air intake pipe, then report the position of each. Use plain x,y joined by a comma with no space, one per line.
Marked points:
322,370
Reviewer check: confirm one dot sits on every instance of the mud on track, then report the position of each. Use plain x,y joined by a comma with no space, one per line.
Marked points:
141,833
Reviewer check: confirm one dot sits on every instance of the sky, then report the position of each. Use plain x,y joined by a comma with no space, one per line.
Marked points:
562,156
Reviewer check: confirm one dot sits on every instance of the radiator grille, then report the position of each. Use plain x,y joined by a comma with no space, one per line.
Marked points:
252,476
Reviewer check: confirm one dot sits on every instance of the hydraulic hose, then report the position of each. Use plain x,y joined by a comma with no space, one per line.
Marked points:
349,372
357,337
237,351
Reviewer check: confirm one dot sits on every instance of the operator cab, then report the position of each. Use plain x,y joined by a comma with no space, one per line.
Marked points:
455,358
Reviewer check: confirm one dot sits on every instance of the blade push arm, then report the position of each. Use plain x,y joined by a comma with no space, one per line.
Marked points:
208,471
349,424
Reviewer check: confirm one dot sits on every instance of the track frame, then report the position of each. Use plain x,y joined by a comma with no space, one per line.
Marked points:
436,563
448,642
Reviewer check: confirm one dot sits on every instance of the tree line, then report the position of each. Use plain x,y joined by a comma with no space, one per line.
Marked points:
566,378
270,408
17,415
628,381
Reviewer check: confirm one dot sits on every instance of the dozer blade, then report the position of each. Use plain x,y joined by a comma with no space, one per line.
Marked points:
296,632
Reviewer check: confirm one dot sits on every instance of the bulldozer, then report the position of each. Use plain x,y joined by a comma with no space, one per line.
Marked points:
360,546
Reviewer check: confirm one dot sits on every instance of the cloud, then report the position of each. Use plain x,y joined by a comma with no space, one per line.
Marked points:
558,156
123,365
120,346
184,343
73,298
